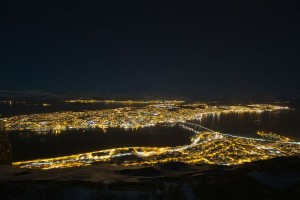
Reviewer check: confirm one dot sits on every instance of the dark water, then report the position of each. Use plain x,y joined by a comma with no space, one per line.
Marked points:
286,123
283,123
29,145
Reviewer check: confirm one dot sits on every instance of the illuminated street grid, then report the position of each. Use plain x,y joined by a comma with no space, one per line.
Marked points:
207,146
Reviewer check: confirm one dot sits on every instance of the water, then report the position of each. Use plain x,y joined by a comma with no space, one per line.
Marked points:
30,145
285,123
248,124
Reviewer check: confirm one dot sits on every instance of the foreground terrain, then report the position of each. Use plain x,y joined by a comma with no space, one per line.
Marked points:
277,178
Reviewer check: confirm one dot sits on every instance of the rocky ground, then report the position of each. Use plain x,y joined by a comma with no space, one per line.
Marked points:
270,179
5,148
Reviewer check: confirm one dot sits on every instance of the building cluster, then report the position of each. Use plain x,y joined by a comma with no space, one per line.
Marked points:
128,117
273,136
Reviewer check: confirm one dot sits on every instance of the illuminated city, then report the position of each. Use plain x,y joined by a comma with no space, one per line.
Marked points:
128,117
206,147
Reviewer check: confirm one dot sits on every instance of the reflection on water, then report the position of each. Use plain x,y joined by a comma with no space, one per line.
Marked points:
247,124
29,145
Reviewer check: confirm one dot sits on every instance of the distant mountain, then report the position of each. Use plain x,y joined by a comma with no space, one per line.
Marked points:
36,95
40,95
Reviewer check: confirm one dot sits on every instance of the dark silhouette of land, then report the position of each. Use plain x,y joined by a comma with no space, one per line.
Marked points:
270,179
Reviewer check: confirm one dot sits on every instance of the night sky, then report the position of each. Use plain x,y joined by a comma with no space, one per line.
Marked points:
181,47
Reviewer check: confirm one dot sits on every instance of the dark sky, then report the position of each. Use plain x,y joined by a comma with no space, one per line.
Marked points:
193,47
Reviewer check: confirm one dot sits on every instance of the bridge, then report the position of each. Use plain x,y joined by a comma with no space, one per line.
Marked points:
198,126
183,125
